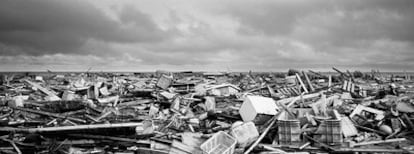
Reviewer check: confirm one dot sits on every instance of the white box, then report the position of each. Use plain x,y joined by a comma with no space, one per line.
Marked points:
255,105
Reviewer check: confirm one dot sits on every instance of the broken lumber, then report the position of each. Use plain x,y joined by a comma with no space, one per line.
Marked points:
301,83
13,144
378,142
308,80
340,72
71,128
49,114
44,90
288,100
272,122
119,139
318,74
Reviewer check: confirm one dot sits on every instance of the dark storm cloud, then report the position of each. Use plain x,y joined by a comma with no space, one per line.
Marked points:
50,26
359,34
272,17
242,34
368,19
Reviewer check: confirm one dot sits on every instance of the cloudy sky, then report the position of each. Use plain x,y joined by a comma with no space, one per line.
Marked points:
211,35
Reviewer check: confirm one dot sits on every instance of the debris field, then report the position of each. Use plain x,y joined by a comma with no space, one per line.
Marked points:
189,112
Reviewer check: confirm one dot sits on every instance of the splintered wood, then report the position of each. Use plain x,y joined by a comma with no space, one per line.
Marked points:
207,112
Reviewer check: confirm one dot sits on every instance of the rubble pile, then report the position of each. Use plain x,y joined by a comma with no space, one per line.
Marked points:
211,112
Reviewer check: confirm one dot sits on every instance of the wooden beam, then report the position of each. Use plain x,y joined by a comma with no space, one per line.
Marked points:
308,80
378,142
272,122
120,139
288,100
49,114
318,74
371,150
323,145
70,128
330,81
340,72
13,144
42,89
301,83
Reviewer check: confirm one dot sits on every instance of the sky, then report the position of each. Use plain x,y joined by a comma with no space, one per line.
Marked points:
206,35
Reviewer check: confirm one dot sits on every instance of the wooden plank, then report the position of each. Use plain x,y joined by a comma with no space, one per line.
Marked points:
330,81
13,144
283,91
370,129
301,83
120,139
348,128
352,88
308,80
70,142
318,74
344,86
271,91
272,122
308,96
340,72
350,84
293,91
319,143
49,114
342,149
371,150
379,142
42,89
70,128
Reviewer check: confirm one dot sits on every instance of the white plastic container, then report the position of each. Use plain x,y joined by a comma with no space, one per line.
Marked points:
219,143
245,134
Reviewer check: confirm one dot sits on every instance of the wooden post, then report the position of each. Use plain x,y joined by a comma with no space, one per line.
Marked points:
348,88
330,81
344,87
